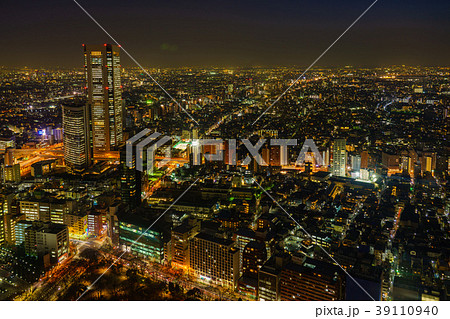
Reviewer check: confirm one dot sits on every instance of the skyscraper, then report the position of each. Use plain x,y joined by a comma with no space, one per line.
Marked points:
339,157
4,209
356,165
104,96
130,181
76,138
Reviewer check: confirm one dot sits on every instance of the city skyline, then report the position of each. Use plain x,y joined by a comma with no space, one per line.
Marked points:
225,225
236,182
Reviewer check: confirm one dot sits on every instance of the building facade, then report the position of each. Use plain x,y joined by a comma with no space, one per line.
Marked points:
181,235
214,260
76,138
104,96
339,157
42,238
311,280
149,245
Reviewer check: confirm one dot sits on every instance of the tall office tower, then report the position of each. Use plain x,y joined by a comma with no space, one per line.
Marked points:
10,226
326,157
265,154
272,156
9,156
130,181
364,159
356,165
339,157
6,199
19,229
104,95
241,238
405,163
3,213
428,161
76,138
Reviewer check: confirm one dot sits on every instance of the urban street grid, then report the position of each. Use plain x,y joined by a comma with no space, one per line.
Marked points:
151,170
131,183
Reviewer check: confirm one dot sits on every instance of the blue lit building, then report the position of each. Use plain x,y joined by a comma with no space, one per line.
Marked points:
149,245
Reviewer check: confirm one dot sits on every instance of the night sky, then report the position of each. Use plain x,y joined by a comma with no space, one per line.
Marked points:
171,33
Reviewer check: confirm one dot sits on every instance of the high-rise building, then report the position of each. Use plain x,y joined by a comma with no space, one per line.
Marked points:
428,161
30,209
405,164
326,157
356,165
254,256
271,155
11,173
181,235
5,209
130,180
364,159
214,260
10,226
104,96
76,138
339,157
241,238
19,229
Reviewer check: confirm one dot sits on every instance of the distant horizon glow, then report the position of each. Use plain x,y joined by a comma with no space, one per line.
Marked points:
233,33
